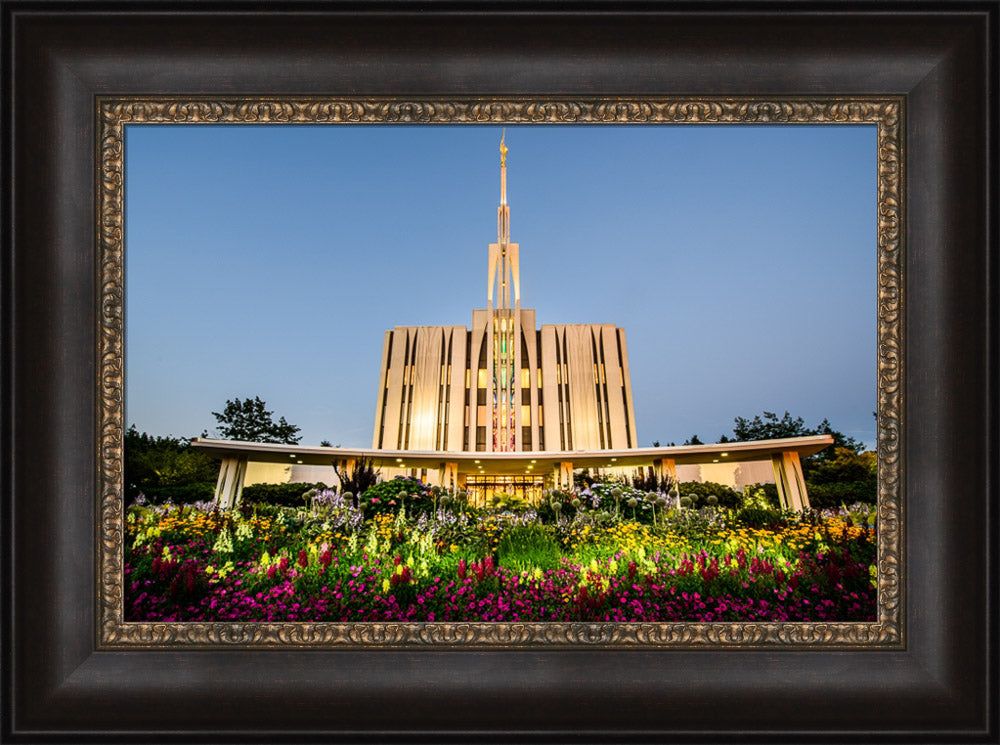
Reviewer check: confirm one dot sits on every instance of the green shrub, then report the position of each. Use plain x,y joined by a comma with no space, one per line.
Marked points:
557,503
758,517
509,503
401,492
154,463
523,548
180,493
824,496
727,497
284,495
760,495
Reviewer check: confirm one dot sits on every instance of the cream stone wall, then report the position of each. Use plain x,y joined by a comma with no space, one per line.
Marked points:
420,395
584,401
733,475
267,473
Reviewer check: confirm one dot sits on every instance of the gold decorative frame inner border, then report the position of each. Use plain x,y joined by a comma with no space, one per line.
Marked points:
114,113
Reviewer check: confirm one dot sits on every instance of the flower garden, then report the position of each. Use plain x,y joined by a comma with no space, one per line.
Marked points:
406,552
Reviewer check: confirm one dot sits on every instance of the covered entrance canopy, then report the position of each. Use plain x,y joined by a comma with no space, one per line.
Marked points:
556,467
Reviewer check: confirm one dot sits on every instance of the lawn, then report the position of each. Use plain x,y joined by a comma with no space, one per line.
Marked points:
407,552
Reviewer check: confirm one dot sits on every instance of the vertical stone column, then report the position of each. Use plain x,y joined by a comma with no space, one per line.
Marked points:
229,487
665,467
449,475
565,479
790,482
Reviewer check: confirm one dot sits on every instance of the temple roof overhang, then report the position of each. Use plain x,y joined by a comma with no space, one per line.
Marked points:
519,462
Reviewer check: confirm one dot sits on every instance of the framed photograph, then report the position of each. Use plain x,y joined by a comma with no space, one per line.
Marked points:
924,84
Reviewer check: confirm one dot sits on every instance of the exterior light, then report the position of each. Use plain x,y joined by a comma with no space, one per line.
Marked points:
399,460
534,461
476,461
291,455
724,455
613,460
716,460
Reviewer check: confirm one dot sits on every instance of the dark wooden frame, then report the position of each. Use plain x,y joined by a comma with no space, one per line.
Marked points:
57,58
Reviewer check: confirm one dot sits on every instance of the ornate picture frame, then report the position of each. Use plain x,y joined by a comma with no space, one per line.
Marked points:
886,114
73,670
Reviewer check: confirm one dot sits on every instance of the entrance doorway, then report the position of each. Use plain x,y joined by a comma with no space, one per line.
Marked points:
484,490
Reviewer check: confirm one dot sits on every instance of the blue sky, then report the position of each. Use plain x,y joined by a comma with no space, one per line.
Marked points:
269,261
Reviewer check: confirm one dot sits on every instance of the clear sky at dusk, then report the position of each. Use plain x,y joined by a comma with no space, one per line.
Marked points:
269,261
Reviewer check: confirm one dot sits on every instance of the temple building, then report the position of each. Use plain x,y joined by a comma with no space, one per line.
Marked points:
508,406
505,385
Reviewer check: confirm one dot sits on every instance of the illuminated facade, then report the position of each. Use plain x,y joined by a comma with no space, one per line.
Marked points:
505,385
508,407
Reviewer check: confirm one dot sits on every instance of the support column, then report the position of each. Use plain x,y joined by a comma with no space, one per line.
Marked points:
449,475
229,487
347,466
565,479
665,467
788,478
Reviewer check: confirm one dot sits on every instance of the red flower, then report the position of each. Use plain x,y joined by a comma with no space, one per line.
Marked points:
303,558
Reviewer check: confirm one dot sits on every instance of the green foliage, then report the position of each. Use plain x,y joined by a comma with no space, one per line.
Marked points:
508,502
845,477
770,427
556,504
844,465
249,421
646,480
284,495
181,493
162,467
401,493
764,496
362,477
725,496
758,517
529,546
582,479
826,496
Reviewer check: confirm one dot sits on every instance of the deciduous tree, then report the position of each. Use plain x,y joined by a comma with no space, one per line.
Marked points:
250,421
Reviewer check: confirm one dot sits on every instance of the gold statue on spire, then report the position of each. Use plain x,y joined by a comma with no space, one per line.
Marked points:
503,149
